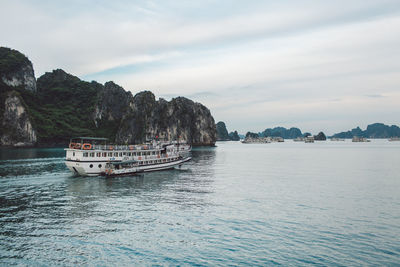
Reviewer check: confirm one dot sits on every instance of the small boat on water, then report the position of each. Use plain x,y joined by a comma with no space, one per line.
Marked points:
358,139
337,139
88,156
309,139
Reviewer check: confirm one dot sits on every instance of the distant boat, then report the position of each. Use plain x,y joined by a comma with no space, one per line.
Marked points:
394,139
259,140
262,140
358,139
309,139
337,139
299,139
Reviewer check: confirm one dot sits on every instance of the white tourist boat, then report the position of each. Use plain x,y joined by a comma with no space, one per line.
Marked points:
88,156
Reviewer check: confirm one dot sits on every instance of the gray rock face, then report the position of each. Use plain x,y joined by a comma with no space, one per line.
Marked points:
16,69
17,129
222,132
112,104
23,77
179,118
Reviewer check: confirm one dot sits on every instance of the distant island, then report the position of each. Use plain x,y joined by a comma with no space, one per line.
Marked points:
375,130
57,106
223,135
291,133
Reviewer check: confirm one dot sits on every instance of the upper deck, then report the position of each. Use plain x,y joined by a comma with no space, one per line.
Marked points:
93,143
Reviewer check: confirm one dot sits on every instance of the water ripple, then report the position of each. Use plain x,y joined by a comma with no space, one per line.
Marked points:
231,205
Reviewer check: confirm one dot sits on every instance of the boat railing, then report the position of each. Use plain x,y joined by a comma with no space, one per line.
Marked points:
88,146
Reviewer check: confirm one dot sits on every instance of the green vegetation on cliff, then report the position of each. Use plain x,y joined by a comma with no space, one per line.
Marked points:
63,107
11,60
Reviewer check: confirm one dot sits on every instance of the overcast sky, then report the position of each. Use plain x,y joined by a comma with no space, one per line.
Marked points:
316,65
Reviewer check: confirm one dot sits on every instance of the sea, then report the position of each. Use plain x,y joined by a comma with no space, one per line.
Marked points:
294,204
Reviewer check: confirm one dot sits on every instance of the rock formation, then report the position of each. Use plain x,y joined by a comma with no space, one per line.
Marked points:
222,132
234,136
320,137
16,70
16,76
281,132
179,118
16,127
63,106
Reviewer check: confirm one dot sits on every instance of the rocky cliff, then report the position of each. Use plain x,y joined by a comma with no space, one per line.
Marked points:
222,132
180,118
63,106
16,127
16,77
16,70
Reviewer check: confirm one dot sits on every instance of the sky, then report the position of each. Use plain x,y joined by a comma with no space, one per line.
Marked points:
318,65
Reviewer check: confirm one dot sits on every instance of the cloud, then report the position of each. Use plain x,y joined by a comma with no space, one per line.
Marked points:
273,61
375,96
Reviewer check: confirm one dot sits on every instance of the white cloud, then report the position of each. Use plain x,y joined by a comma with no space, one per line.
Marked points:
277,62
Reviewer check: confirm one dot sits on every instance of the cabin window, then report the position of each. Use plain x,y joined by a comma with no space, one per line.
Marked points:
104,154
73,154
92,154
98,154
116,154
129,154
134,153
110,154
124,154
85,154
99,166
120,154
91,165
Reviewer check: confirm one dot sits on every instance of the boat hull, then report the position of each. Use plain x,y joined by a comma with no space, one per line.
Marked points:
148,168
98,168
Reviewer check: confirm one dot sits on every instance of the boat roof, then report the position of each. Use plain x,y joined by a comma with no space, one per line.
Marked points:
92,138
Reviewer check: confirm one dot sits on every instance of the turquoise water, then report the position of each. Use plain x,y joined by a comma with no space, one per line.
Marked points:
327,203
